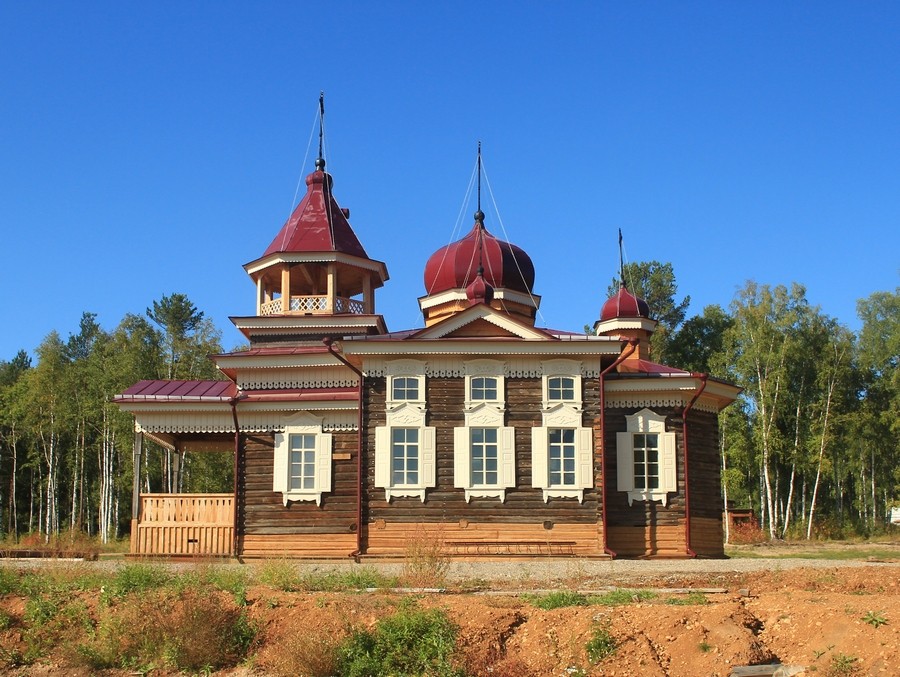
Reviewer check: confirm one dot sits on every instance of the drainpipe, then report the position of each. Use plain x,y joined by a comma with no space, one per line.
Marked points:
684,441
237,451
359,446
632,346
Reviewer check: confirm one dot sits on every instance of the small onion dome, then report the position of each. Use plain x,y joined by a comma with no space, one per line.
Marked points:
455,265
624,304
479,291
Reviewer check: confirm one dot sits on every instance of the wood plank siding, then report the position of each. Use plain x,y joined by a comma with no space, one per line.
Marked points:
647,528
184,524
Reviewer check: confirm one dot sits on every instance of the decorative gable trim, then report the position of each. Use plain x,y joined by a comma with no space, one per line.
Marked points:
481,311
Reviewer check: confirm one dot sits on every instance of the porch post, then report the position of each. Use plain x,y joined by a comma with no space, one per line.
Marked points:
260,292
285,288
136,489
368,298
330,300
176,469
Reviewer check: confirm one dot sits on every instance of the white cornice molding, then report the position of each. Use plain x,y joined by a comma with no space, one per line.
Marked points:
316,257
249,420
516,366
621,323
500,293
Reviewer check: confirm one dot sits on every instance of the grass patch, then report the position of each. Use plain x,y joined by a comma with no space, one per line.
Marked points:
621,596
557,599
824,553
410,642
135,578
601,645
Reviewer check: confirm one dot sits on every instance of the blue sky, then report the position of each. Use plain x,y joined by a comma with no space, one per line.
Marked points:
151,148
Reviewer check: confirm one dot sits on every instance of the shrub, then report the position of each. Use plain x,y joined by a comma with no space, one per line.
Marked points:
425,565
410,642
191,630
746,533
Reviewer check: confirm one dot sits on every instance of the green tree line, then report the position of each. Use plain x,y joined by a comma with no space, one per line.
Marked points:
811,445
66,449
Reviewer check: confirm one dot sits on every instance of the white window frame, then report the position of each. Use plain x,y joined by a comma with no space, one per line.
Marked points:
540,459
484,413
485,369
302,424
562,369
405,369
646,421
484,417
565,414
405,414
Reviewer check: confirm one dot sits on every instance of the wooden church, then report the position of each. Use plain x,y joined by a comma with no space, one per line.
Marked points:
478,432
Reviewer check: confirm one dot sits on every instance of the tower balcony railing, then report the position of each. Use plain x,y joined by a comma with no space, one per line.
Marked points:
313,305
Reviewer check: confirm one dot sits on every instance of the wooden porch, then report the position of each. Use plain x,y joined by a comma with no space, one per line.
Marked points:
184,524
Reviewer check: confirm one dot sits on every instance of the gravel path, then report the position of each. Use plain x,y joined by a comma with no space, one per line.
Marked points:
543,572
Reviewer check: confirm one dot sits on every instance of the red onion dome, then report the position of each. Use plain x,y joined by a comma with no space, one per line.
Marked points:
455,266
624,304
479,291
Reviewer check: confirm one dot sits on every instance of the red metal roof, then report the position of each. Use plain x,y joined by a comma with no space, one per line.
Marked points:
624,304
179,391
318,224
455,265
647,367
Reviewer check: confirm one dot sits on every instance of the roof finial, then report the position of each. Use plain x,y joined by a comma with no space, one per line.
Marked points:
320,161
479,215
621,262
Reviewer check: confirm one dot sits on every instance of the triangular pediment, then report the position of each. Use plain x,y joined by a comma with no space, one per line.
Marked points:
482,321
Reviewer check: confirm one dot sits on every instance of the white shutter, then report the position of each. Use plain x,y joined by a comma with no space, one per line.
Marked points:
539,474
323,462
428,460
585,454
667,450
507,457
382,456
624,462
280,463
461,459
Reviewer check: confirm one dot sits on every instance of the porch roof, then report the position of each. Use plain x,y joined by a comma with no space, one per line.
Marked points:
178,391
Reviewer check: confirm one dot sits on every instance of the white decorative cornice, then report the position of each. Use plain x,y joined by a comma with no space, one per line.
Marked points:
516,366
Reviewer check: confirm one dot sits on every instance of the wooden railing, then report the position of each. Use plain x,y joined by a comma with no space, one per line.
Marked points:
184,524
313,305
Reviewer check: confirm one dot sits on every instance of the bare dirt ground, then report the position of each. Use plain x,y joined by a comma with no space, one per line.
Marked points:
832,617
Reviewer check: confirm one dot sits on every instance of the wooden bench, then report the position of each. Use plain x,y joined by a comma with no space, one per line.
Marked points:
529,548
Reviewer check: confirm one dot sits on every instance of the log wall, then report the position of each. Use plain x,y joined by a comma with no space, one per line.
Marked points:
524,506
261,511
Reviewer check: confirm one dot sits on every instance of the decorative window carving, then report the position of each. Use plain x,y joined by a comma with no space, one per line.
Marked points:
562,455
302,460
484,449
562,461
405,456
645,458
